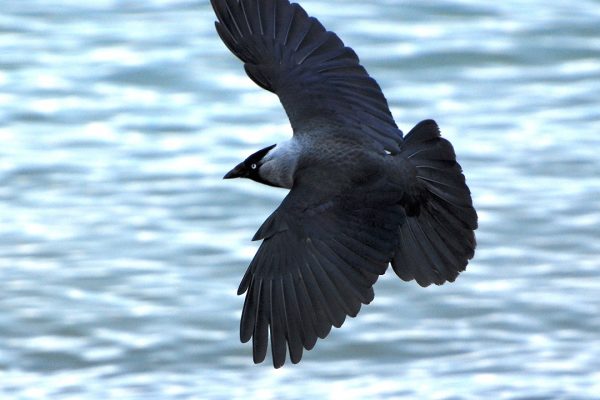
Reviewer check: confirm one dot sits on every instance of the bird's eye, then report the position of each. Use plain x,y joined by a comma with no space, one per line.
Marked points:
253,166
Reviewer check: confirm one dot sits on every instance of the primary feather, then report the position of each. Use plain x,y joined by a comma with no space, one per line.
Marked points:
318,80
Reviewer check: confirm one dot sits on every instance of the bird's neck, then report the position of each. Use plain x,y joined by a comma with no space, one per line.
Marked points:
280,163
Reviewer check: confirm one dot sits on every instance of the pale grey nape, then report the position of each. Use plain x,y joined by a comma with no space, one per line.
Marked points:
279,164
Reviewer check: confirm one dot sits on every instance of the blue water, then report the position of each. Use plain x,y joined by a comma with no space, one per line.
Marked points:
121,248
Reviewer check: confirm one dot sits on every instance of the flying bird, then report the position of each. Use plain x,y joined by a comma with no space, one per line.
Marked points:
362,195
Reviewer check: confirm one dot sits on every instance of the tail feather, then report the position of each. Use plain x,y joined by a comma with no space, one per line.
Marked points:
437,239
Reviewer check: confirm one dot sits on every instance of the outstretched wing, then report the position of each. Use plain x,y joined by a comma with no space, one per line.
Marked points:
317,264
318,80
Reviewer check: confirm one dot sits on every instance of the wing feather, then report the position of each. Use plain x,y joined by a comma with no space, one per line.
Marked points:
316,77
319,262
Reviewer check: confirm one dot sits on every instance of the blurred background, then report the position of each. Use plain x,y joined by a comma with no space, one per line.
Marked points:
121,248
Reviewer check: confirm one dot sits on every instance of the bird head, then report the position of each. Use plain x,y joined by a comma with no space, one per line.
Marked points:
250,167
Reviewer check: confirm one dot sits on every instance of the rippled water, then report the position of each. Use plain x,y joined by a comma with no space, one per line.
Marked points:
121,248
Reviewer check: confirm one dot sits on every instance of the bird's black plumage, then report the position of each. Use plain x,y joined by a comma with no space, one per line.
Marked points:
319,259
316,77
361,195
438,239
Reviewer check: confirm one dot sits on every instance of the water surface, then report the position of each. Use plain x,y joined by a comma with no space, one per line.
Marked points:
121,248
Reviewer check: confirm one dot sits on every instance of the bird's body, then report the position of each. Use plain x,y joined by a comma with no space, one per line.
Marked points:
362,194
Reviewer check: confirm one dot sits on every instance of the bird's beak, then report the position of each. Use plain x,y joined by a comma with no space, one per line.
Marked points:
240,171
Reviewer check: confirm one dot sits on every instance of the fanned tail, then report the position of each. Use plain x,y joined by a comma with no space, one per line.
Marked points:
437,239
